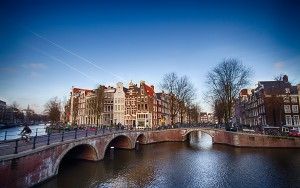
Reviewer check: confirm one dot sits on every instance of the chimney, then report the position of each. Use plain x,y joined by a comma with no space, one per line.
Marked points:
285,78
152,86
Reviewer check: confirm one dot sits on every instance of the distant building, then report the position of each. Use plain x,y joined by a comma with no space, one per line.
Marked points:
211,118
163,109
2,105
2,111
203,117
240,106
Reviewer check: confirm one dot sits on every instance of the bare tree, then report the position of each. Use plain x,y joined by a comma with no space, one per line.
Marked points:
219,110
53,110
193,112
75,109
15,105
225,82
185,93
279,77
98,102
181,91
169,83
67,110
17,115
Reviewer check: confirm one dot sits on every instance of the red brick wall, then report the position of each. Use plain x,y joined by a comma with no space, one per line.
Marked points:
162,136
252,140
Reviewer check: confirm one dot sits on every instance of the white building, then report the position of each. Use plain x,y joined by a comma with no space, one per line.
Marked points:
119,105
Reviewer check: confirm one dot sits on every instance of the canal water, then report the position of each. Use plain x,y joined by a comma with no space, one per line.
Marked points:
195,163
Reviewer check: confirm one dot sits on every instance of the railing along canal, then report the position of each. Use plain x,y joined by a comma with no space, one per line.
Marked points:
15,146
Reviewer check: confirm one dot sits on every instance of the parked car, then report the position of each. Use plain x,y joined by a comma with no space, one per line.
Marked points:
232,129
295,133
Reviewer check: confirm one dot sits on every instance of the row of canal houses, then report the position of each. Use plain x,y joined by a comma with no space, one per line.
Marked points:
133,106
271,105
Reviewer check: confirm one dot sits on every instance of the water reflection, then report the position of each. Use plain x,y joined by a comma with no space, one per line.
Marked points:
196,163
200,140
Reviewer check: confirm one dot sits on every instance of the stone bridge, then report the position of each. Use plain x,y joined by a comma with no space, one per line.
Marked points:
31,167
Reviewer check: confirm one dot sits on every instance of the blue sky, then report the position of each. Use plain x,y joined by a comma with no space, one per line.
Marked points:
109,41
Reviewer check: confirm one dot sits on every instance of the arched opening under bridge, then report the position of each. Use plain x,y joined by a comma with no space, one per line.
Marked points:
79,152
199,139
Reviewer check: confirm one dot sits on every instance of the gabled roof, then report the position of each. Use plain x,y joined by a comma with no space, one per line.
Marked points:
125,89
277,87
77,90
149,90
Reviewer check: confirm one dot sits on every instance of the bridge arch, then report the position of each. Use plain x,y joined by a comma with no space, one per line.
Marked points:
120,141
188,132
79,151
141,138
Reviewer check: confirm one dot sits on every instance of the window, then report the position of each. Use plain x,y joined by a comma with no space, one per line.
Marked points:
288,120
286,99
294,99
295,108
296,120
287,109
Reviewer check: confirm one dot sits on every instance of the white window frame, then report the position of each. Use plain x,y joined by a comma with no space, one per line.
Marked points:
296,120
288,117
287,109
295,109
294,99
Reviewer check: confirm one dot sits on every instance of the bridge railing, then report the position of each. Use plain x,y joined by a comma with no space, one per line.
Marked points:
39,139
14,146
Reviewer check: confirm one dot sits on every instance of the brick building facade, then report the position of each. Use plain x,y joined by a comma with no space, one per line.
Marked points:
271,104
134,107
